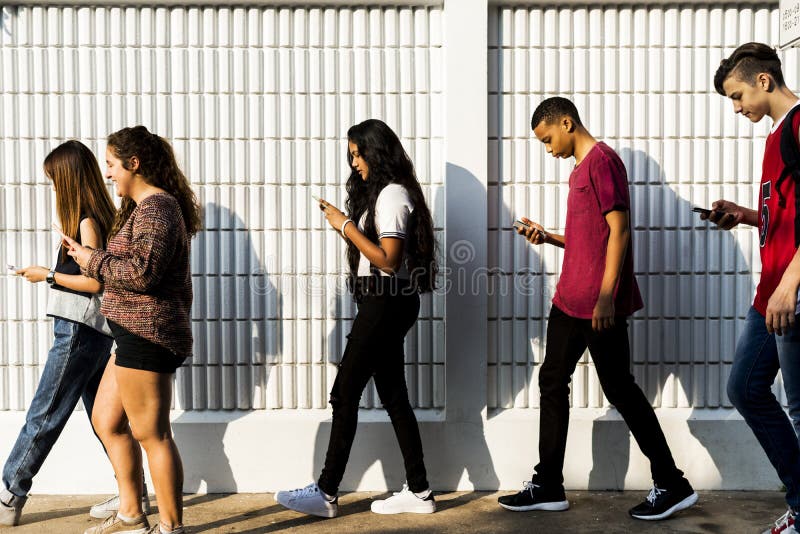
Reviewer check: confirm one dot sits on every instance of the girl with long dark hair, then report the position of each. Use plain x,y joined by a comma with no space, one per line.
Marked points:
82,342
391,254
147,303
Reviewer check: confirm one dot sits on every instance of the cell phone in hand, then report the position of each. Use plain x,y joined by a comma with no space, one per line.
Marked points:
523,226
319,201
702,211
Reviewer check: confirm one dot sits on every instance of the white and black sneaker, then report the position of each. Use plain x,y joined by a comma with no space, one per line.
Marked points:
535,497
662,503
309,500
406,501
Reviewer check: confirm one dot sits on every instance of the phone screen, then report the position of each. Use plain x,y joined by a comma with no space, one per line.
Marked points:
702,210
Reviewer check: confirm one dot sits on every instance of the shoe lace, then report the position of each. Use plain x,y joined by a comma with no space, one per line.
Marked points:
654,494
403,490
309,490
529,487
783,522
108,521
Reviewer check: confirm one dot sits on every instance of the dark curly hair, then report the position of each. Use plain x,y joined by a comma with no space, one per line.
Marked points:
389,163
550,110
746,63
158,167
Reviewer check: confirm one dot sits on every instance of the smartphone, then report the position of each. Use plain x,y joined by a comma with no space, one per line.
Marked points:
319,201
702,211
523,226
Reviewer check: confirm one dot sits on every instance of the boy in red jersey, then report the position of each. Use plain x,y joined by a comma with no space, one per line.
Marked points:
751,77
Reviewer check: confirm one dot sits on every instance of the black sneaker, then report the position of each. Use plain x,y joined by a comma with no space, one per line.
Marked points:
662,503
535,497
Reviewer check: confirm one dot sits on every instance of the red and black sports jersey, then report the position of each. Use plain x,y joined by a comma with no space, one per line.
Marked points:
775,223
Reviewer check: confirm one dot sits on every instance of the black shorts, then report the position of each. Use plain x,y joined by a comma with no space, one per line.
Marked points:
135,352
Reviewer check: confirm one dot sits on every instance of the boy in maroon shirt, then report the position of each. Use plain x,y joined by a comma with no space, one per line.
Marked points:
595,294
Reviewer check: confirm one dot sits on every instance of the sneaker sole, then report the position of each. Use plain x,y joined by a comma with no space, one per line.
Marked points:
327,514
544,506
137,531
414,511
691,500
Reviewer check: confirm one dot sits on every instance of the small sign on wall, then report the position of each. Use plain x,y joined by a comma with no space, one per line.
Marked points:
789,23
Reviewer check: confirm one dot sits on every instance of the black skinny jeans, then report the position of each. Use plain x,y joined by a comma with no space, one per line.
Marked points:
375,349
567,338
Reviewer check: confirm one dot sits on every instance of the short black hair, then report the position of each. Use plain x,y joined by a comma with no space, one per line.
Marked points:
748,61
552,109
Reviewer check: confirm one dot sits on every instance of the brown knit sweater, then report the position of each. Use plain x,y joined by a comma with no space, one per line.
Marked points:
145,269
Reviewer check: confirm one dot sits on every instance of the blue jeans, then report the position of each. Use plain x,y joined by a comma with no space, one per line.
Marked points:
73,370
759,355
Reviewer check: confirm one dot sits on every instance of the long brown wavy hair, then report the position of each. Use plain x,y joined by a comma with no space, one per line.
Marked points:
158,167
80,190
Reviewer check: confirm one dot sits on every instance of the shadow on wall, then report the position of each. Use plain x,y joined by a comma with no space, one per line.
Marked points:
7,13
237,335
375,443
682,348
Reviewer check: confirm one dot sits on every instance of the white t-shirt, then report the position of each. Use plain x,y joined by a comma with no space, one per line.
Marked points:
392,210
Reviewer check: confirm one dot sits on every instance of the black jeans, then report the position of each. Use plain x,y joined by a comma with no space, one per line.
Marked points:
375,349
567,338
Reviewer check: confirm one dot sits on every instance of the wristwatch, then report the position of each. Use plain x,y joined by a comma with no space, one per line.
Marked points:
51,278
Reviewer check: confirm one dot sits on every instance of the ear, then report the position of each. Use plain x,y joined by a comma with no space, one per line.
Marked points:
765,82
133,164
568,124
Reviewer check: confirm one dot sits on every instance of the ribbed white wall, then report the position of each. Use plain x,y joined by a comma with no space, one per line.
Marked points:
257,102
642,79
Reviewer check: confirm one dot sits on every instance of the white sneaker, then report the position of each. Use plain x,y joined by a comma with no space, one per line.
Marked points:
109,507
11,512
309,500
405,501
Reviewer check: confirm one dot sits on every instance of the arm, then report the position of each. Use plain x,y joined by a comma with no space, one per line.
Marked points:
783,301
90,238
537,235
388,256
153,241
727,214
618,239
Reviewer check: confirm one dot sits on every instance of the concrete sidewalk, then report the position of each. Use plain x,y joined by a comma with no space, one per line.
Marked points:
717,512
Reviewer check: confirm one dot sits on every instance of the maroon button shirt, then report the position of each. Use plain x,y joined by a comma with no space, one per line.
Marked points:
597,186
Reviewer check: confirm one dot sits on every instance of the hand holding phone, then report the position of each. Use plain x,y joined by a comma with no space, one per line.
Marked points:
520,225
322,203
